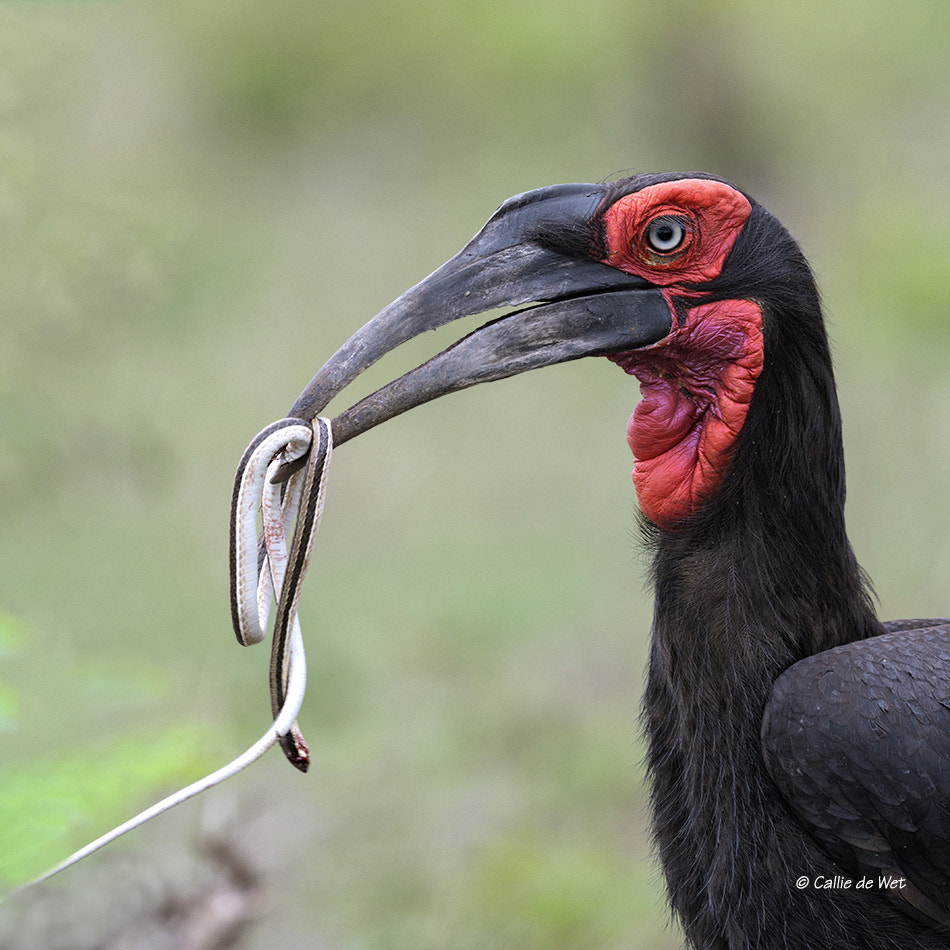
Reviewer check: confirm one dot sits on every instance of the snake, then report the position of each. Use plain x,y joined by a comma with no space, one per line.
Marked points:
257,571
282,473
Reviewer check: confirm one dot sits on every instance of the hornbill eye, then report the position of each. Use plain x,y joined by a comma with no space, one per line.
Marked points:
665,234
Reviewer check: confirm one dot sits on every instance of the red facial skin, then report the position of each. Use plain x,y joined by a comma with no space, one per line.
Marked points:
696,383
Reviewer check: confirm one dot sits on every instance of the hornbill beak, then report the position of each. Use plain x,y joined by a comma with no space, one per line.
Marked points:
582,308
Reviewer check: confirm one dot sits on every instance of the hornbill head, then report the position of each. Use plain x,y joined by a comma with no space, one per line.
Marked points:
649,272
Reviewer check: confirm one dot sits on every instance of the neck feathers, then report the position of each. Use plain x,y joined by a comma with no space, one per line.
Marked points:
759,577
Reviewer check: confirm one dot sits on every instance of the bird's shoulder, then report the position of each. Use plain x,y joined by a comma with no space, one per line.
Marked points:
857,738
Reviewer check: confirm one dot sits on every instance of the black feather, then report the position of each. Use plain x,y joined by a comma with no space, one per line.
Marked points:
760,577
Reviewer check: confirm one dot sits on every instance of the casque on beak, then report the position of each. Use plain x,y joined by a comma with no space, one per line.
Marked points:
582,308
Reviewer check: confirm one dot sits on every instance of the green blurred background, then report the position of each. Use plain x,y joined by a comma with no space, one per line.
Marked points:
198,203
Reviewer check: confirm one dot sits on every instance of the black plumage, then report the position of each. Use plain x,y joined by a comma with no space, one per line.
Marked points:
858,738
752,593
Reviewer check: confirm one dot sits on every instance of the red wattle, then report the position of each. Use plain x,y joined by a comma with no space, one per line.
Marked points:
696,387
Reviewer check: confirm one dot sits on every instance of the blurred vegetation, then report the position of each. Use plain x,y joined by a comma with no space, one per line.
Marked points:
198,203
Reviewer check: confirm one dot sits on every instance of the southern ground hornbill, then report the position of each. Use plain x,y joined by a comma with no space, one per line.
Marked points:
799,749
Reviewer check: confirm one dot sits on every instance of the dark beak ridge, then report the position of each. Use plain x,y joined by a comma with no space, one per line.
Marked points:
587,308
